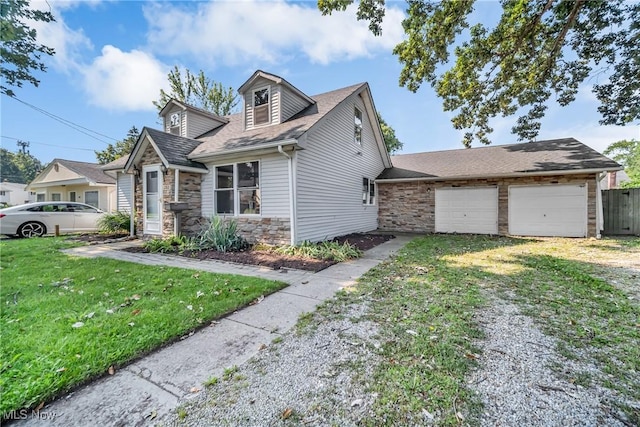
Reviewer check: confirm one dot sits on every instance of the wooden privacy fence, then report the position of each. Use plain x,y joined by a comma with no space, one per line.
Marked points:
621,211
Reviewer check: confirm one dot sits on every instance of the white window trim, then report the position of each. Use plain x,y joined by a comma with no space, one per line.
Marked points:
253,105
59,194
235,189
44,198
178,126
366,197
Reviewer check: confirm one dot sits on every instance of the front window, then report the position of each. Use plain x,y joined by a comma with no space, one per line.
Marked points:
261,106
40,197
368,192
56,197
238,189
357,121
91,198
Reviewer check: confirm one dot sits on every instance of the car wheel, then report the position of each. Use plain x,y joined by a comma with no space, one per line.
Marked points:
32,229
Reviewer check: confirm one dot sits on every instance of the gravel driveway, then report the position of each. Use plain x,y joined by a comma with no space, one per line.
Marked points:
319,374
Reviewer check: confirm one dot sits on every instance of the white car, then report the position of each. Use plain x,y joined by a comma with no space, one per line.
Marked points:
40,218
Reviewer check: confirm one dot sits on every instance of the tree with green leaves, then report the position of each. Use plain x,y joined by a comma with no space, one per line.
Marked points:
627,153
20,167
199,91
391,141
20,53
119,149
537,51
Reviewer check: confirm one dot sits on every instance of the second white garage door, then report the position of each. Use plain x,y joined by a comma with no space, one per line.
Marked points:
467,210
548,210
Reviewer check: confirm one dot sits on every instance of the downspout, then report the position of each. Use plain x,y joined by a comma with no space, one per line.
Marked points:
599,208
176,189
292,210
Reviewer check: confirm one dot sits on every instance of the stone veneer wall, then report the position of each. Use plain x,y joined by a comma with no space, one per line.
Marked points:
190,192
410,206
272,231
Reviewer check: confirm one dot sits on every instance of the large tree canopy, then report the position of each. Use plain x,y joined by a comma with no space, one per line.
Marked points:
199,91
627,153
20,167
119,149
538,50
391,141
20,54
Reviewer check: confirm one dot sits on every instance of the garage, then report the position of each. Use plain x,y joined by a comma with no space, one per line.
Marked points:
548,210
466,210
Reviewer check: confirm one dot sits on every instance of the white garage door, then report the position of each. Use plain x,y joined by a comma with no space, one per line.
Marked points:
467,210
548,210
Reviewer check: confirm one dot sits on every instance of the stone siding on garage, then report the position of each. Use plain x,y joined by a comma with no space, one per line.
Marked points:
410,206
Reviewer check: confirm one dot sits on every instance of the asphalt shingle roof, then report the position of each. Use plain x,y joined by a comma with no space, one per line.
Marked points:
232,136
175,148
560,155
92,171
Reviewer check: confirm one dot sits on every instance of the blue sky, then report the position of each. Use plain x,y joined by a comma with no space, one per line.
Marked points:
113,57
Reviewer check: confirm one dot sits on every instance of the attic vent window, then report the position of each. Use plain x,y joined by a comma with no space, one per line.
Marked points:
174,123
261,106
357,121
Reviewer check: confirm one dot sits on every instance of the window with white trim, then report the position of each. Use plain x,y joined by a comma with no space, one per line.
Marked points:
368,192
40,197
56,197
175,120
261,110
237,189
357,126
92,198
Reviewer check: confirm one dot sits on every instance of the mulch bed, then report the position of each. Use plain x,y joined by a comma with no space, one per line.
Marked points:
276,261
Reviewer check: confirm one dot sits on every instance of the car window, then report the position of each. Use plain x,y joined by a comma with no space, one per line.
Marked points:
83,208
34,209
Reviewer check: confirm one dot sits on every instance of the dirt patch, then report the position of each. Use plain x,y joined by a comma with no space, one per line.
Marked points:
98,237
266,258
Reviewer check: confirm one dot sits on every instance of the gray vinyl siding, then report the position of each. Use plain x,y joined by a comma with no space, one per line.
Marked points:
329,177
197,124
124,195
291,104
206,187
274,186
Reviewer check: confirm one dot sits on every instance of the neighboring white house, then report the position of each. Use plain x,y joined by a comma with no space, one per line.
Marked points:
291,167
12,193
74,181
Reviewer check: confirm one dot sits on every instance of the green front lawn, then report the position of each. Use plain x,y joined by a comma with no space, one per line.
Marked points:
424,302
66,320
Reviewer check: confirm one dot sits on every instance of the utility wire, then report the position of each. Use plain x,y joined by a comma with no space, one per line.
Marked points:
44,143
68,123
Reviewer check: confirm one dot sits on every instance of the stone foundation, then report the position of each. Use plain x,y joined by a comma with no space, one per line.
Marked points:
272,231
410,206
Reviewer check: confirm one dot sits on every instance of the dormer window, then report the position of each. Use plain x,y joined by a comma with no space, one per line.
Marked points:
261,113
174,123
357,122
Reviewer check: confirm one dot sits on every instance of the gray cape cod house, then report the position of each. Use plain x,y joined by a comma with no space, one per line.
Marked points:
291,167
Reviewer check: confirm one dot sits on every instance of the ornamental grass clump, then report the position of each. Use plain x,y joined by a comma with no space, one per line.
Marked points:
332,251
221,235
117,222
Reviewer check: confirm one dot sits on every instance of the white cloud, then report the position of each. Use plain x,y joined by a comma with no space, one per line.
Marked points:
233,33
124,80
68,43
595,136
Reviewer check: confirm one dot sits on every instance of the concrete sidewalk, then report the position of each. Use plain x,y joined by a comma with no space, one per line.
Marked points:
146,391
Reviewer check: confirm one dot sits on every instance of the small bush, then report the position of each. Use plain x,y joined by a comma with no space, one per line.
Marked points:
117,222
221,236
332,251
169,244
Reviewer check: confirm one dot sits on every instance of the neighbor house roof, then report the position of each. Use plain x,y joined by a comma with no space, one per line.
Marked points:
12,186
92,171
232,136
116,164
174,148
534,158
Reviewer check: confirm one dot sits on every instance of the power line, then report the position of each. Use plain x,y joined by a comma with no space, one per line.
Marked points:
66,122
44,143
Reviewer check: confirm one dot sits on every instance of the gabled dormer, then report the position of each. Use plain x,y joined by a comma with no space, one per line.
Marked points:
270,100
184,120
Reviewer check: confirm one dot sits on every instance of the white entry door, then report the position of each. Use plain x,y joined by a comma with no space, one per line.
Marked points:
152,199
548,210
467,210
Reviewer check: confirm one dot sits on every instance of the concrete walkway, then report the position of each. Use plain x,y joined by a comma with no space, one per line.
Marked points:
145,392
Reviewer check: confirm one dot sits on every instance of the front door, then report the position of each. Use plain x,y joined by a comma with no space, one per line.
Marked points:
152,199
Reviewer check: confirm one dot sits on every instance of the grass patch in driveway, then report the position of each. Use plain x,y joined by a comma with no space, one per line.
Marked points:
66,319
